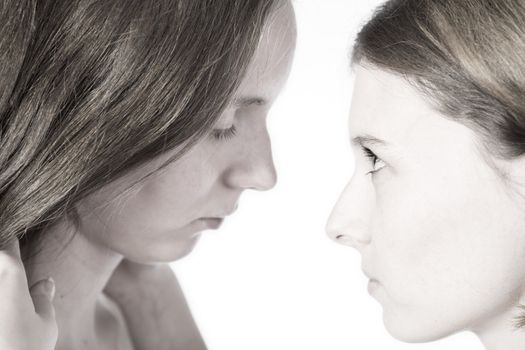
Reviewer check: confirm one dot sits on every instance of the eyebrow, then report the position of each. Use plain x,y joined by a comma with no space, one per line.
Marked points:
242,102
368,139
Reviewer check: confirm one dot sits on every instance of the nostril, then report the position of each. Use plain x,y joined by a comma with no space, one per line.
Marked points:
342,238
350,241
332,231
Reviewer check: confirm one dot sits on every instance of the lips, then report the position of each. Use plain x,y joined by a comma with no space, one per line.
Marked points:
212,223
215,221
373,285
222,214
366,272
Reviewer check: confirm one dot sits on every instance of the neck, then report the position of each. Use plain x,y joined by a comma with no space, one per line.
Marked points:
502,333
81,270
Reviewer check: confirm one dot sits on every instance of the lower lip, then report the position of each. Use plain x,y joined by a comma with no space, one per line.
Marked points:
211,223
373,285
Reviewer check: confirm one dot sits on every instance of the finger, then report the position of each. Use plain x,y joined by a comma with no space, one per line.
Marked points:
10,260
43,293
13,249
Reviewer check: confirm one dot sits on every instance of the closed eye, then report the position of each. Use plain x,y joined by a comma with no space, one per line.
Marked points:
224,134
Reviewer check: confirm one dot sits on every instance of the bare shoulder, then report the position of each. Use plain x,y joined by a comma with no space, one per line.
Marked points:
154,307
112,326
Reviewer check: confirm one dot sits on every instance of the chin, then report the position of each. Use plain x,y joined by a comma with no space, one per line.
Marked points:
420,329
166,252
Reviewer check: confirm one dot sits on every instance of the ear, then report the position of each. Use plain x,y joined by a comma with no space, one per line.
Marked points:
512,173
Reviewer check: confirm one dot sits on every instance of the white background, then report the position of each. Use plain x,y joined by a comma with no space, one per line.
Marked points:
270,278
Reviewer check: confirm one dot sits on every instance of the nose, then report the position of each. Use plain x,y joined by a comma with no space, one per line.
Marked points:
348,223
253,167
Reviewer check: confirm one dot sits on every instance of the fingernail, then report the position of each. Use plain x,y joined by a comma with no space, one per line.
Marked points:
49,287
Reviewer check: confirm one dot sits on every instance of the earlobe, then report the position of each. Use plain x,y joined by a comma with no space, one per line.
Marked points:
510,171
515,178
511,175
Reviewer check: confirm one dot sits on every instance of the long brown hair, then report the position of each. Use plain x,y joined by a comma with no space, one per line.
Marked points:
104,86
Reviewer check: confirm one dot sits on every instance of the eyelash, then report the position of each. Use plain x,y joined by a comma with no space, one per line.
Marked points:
224,134
373,159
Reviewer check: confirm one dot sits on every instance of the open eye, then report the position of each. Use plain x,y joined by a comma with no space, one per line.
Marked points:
224,134
377,163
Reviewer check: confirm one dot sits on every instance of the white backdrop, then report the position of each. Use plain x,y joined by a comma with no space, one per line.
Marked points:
271,278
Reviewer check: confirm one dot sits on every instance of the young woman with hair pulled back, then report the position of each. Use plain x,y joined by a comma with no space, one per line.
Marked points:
436,205
127,128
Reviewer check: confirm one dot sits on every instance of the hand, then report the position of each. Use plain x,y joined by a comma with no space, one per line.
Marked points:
154,306
27,315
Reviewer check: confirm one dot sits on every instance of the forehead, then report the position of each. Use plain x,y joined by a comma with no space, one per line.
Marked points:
387,107
383,104
272,59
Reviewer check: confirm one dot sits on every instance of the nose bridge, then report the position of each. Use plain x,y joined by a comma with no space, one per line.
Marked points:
349,220
254,167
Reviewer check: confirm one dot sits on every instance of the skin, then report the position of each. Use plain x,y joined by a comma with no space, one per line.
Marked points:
161,218
24,308
440,232
153,293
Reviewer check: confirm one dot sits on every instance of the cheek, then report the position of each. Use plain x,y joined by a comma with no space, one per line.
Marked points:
172,198
175,195
139,228
153,220
449,250
165,201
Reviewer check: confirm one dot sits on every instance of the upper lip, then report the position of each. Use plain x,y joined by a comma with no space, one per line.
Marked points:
226,213
367,272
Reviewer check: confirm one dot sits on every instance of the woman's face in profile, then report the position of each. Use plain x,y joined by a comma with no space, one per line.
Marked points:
161,218
440,233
